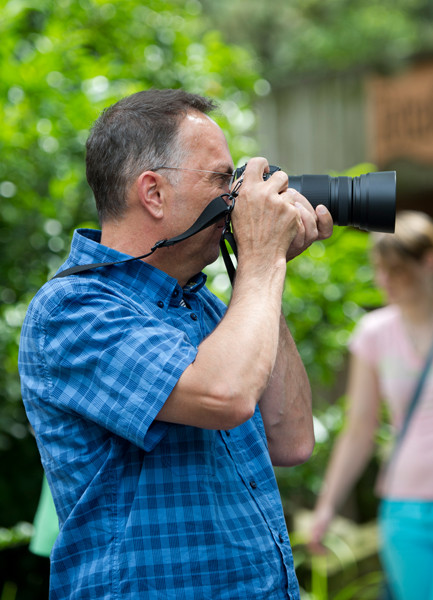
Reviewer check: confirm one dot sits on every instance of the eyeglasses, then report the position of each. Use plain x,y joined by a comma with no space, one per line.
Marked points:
229,176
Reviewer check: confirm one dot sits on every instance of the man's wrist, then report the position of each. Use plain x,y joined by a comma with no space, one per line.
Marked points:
262,269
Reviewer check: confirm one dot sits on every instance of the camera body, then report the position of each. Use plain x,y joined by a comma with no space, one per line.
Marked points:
367,202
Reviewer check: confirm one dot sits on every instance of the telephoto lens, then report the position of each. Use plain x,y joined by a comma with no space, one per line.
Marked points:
366,202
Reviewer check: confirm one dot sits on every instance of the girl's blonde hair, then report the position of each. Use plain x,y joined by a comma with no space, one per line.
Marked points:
413,236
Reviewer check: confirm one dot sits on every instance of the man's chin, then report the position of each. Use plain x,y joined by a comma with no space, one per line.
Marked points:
211,253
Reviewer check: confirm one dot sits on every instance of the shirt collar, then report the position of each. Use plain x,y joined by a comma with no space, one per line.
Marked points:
138,275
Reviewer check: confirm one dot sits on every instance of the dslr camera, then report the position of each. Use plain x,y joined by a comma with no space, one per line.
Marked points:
366,202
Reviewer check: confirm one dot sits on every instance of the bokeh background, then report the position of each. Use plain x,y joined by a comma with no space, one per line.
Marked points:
316,86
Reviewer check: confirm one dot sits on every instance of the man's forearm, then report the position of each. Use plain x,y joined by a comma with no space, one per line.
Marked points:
286,405
233,366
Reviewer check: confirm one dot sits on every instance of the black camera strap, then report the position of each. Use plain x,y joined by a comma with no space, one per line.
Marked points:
228,238
219,208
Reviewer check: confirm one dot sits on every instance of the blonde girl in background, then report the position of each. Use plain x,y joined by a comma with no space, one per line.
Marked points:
389,349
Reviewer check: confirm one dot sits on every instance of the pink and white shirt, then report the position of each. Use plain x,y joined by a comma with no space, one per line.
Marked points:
382,341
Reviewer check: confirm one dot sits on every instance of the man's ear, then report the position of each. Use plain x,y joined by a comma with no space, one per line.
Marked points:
151,189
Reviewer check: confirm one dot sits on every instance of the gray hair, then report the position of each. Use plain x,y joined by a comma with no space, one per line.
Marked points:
138,133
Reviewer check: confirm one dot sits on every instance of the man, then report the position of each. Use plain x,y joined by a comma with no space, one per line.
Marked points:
158,413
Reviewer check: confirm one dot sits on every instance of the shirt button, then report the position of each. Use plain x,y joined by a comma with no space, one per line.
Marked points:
253,484
160,303
228,433
281,538
175,293
194,317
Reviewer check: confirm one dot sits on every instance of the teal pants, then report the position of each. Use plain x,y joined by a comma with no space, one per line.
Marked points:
406,530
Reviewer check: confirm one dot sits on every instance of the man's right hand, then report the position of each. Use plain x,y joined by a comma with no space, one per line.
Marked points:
265,219
271,216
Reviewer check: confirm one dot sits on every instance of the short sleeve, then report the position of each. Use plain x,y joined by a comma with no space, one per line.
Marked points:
362,342
375,334
113,364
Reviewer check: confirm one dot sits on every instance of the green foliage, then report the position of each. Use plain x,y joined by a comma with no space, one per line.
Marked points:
326,291
15,536
318,36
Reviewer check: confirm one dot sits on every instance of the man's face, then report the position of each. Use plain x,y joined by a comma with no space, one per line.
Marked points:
207,149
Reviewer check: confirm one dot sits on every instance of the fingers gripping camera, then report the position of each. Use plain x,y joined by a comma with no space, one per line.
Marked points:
366,202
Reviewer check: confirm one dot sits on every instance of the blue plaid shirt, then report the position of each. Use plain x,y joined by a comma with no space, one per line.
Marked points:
147,510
